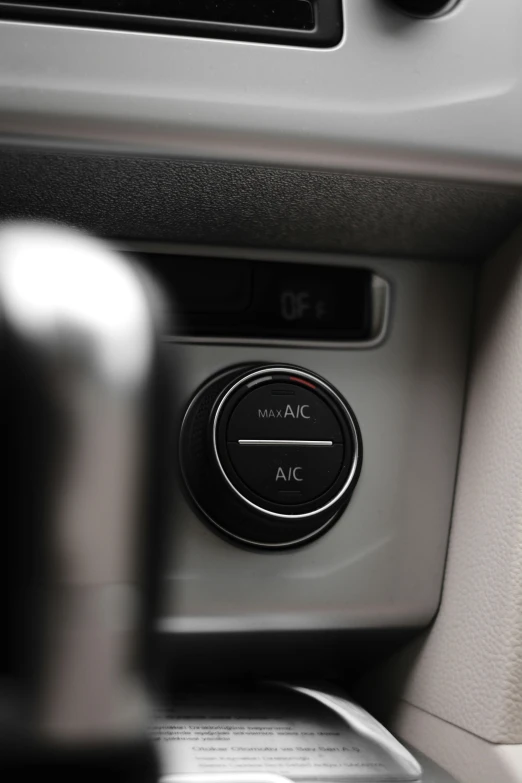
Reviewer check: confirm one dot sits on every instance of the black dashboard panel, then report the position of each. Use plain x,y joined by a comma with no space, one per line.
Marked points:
230,205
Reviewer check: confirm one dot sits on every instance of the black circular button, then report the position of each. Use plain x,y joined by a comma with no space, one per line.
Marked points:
283,410
270,455
287,474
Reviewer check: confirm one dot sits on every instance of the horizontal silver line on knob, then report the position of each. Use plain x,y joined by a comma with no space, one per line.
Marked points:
286,442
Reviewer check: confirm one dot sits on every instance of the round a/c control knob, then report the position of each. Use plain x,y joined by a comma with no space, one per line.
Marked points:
270,455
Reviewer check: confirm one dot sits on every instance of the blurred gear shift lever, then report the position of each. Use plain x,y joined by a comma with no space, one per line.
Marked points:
87,406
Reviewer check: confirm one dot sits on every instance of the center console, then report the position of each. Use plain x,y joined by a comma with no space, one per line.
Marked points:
318,477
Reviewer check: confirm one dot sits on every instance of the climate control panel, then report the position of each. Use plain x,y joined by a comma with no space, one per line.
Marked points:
270,454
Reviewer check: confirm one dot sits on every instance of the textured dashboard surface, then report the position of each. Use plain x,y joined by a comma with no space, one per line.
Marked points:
468,671
211,203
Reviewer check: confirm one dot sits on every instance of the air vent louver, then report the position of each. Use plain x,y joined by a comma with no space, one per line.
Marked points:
297,22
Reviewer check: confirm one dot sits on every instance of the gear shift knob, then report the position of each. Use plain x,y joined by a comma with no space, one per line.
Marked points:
86,400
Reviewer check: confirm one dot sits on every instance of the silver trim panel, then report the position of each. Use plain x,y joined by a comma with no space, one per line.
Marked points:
285,442
456,118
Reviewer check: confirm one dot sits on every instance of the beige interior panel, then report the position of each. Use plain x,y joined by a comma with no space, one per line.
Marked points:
467,757
457,693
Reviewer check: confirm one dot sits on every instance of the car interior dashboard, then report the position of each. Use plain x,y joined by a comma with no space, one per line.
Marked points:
261,279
